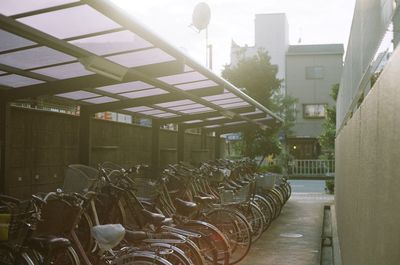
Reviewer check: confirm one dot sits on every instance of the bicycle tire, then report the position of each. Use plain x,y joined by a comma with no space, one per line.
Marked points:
235,228
188,246
8,257
279,194
255,218
65,256
266,208
141,258
271,197
282,190
177,257
213,235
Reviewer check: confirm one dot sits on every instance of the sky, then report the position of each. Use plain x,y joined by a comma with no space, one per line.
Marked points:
314,21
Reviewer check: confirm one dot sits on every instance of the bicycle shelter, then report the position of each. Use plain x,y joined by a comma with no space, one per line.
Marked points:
95,55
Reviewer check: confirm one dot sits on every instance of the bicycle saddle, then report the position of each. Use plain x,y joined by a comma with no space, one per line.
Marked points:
243,182
153,218
184,207
235,184
228,186
49,243
203,199
108,236
135,236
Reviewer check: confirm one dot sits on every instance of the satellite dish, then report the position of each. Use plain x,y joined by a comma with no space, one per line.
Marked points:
201,16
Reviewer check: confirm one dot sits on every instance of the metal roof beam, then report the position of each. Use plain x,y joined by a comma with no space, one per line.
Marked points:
232,128
222,121
151,100
81,83
210,114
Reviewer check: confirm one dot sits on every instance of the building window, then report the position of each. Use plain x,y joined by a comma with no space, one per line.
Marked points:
315,72
314,111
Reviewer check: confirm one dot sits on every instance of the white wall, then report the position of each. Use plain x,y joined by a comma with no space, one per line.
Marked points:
272,34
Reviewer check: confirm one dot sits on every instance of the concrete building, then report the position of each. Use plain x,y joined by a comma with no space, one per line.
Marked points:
308,73
271,34
311,71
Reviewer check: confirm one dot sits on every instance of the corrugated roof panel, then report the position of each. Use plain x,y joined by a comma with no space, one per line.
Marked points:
197,85
141,58
235,105
175,103
152,112
78,95
166,115
11,41
144,93
137,109
182,78
220,96
199,110
64,71
100,100
70,22
125,87
34,57
14,7
14,80
112,43
186,107
227,101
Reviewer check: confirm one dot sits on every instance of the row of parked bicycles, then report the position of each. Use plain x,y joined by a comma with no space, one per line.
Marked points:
113,215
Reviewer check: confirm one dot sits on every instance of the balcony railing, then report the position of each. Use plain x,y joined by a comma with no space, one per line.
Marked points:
312,168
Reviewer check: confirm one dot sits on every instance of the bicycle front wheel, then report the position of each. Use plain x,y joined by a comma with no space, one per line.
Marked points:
235,228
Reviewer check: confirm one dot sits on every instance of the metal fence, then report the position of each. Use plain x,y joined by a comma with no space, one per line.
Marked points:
312,167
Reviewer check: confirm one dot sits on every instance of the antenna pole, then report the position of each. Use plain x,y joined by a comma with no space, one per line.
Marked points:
207,47
210,58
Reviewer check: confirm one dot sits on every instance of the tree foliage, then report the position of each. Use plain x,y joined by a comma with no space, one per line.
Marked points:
328,134
257,77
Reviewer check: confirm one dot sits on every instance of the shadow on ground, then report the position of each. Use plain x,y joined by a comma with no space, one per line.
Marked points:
295,236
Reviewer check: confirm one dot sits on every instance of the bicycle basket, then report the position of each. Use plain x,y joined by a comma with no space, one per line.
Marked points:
57,217
5,219
11,225
79,178
216,176
146,188
227,196
265,181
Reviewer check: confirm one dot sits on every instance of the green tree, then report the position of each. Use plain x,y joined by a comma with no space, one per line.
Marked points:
257,76
327,136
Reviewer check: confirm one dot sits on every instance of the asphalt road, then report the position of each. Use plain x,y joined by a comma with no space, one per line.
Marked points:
308,185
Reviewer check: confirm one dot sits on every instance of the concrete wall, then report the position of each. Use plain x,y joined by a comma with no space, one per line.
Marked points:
368,175
42,144
370,23
311,91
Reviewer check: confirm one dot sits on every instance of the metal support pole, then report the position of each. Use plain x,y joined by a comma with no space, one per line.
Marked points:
203,139
181,142
210,56
155,146
85,147
217,147
4,142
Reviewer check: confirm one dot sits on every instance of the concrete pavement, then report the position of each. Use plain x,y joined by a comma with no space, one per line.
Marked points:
294,238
